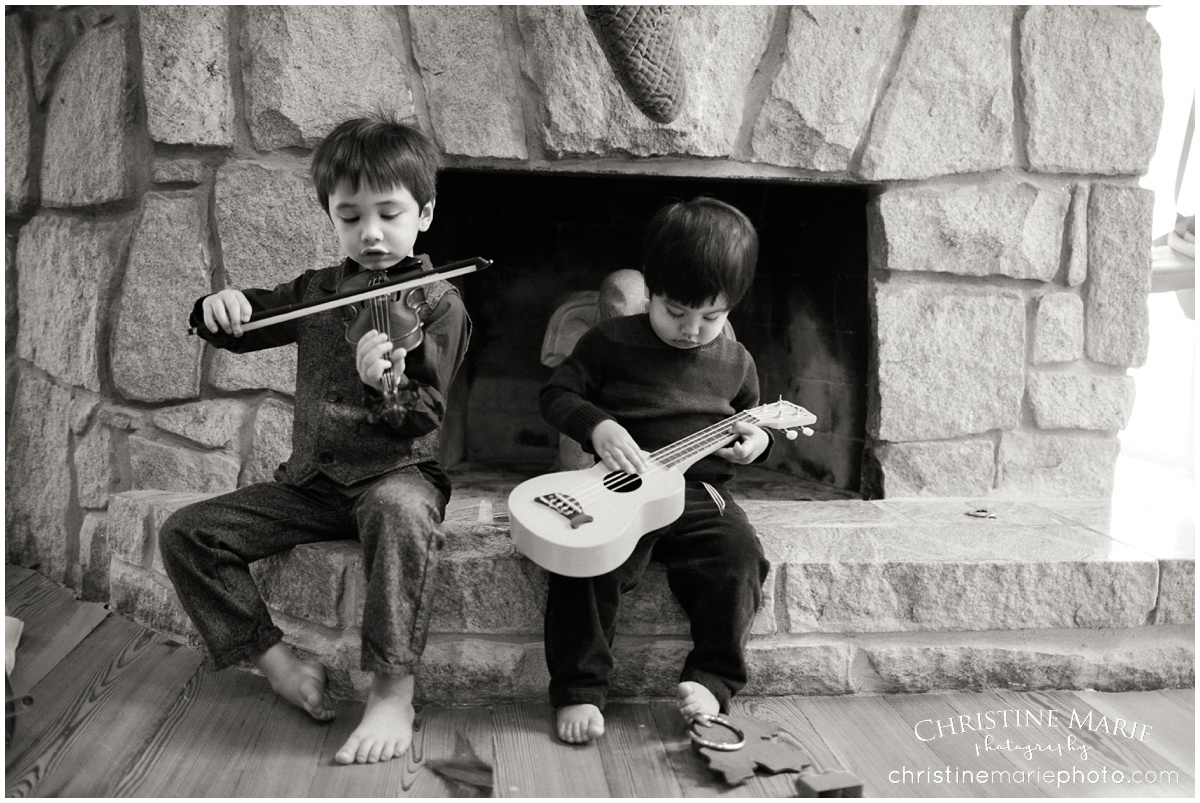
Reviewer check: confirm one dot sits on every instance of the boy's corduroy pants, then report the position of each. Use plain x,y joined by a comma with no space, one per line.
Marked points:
207,548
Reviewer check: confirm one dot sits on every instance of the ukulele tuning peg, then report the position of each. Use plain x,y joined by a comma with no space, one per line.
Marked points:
791,434
807,431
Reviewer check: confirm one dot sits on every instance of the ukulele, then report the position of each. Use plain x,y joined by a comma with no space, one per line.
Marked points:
586,523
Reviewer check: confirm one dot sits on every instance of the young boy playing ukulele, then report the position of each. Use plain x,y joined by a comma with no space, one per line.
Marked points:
352,473
631,386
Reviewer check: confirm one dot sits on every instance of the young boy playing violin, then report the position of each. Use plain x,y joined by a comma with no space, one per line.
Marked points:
631,386
351,473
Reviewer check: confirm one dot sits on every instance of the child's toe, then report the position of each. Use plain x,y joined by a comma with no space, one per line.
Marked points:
349,752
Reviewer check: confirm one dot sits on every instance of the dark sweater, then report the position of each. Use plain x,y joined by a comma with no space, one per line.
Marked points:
331,430
661,394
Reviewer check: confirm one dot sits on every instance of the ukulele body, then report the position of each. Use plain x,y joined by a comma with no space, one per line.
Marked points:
586,523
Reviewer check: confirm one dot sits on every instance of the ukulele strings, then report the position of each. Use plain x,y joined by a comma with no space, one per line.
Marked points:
668,456
664,458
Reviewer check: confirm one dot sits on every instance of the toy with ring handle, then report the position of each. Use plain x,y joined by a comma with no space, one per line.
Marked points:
708,722
756,747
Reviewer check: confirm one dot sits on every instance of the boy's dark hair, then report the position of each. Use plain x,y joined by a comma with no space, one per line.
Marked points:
380,151
697,250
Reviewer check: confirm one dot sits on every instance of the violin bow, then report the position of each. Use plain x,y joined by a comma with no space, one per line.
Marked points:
263,318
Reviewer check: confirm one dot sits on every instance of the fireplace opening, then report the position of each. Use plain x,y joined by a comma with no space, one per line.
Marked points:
805,320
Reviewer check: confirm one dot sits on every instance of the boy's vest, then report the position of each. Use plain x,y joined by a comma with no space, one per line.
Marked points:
331,432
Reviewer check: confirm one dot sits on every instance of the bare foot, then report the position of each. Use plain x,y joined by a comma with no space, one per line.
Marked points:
301,683
580,723
696,700
386,729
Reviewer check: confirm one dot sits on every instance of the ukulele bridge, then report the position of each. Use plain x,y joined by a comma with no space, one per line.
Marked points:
567,506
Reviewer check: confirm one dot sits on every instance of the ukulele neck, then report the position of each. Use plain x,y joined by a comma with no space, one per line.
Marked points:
683,454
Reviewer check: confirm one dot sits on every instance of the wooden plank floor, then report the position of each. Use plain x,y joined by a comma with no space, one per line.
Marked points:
121,712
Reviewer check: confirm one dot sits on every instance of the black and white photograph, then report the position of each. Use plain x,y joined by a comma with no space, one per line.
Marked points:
567,401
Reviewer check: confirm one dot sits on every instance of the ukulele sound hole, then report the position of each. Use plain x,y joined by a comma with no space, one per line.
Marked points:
621,482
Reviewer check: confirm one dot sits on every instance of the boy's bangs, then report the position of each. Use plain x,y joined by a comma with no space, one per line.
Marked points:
694,284
379,153
694,270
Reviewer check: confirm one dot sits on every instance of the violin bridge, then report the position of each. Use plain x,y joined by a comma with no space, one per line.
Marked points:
567,506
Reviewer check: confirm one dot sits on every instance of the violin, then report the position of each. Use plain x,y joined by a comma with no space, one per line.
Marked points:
390,301
396,315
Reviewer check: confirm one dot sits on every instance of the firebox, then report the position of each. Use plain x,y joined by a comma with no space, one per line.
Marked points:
806,319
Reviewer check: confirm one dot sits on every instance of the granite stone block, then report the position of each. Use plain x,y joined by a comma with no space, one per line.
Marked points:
304,70
270,442
994,229
166,366
948,108
214,423
1058,328
937,468
820,101
319,583
92,153
167,467
942,578
1080,401
150,599
474,100
185,74
18,103
1083,64
1118,287
1036,465
66,267
951,362
37,480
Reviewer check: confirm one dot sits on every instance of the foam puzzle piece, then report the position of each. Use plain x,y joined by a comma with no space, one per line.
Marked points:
764,751
830,783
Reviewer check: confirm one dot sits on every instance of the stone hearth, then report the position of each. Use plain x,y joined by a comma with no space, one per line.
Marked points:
889,596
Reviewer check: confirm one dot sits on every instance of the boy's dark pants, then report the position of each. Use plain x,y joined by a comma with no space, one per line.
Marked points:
207,548
715,568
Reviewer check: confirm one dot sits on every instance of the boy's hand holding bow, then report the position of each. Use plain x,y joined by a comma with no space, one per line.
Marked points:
226,310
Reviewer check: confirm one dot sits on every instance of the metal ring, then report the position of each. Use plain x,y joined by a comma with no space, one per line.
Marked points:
726,747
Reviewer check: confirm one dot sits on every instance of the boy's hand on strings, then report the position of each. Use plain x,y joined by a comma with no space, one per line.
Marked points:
617,449
751,443
227,311
374,356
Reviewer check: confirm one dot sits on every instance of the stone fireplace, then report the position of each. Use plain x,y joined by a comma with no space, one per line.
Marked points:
805,320
954,276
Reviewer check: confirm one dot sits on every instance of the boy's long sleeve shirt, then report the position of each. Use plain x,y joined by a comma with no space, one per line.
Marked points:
331,430
620,369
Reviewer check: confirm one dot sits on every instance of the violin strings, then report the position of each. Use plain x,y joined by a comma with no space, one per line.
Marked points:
381,322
